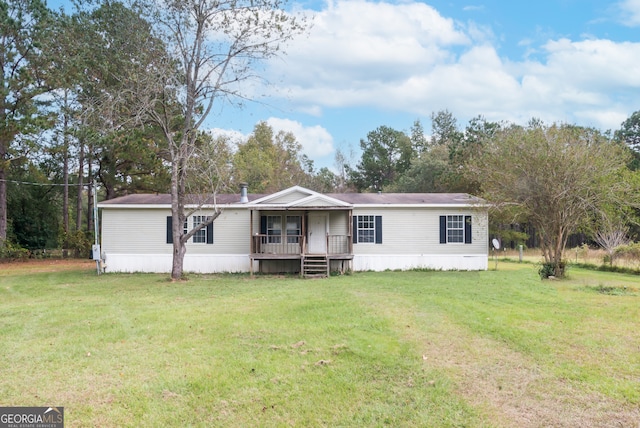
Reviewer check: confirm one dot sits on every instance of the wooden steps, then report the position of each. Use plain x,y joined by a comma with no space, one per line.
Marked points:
315,266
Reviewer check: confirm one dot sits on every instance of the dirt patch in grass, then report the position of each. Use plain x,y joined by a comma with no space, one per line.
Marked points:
515,390
44,265
508,387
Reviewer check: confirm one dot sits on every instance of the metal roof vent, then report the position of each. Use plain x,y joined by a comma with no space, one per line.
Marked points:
244,198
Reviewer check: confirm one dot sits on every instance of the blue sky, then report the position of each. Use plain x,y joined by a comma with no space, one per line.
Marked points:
365,64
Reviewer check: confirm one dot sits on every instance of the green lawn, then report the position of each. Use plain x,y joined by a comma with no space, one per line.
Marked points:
494,348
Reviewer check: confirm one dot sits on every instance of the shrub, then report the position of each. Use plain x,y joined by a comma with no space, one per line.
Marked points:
11,251
552,269
630,251
77,242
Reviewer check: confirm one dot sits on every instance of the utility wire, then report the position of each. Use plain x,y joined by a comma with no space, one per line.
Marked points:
29,183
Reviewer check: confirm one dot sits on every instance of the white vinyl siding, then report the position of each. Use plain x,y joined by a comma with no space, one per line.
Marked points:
122,230
338,222
417,231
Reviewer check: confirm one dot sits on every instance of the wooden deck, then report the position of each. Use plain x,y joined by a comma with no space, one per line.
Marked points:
294,247
263,256
284,249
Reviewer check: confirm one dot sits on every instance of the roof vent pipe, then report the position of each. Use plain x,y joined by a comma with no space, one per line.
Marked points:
244,198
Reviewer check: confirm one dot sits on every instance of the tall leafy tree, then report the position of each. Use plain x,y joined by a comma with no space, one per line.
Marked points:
34,209
419,141
444,129
129,157
428,173
555,177
23,36
131,161
477,133
214,48
66,72
325,181
386,154
269,162
629,134
439,161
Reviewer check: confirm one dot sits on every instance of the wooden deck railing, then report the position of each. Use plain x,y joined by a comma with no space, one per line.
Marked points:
338,244
270,244
297,244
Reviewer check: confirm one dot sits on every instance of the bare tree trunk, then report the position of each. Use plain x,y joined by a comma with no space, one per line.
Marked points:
65,175
3,203
179,251
80,187
4,166
177,212
89,201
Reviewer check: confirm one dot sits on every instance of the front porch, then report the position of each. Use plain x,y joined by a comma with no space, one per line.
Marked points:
313,252
301,231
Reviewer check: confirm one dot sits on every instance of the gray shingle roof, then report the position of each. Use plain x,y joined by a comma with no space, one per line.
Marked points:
407,198
350,198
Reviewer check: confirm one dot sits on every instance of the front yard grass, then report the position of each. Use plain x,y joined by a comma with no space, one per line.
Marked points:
475,349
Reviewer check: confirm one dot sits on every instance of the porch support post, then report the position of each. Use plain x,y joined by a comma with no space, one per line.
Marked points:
304,232
350,232
251,242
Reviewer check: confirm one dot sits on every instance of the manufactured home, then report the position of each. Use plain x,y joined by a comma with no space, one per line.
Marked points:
301,231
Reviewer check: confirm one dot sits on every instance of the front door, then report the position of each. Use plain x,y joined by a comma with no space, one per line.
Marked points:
317,233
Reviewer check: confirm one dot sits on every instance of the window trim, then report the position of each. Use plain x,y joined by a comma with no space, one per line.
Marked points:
204,234
208,230
293,238
467,236
376,221
455,229
274,238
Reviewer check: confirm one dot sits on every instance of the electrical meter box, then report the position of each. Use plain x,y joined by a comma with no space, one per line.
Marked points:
95,252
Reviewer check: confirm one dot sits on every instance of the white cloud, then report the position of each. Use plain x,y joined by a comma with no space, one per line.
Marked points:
315,140
630,12
235,137
472,8
355,44
408,58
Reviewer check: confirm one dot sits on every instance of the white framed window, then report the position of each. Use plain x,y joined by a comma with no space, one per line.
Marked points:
274,229
366,229
294,229
200,237
205,235
455,229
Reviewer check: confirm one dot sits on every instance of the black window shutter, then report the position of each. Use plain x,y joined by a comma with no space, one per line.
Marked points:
169,230
467,229
378,229
443,229
210,233
355,229
263,225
